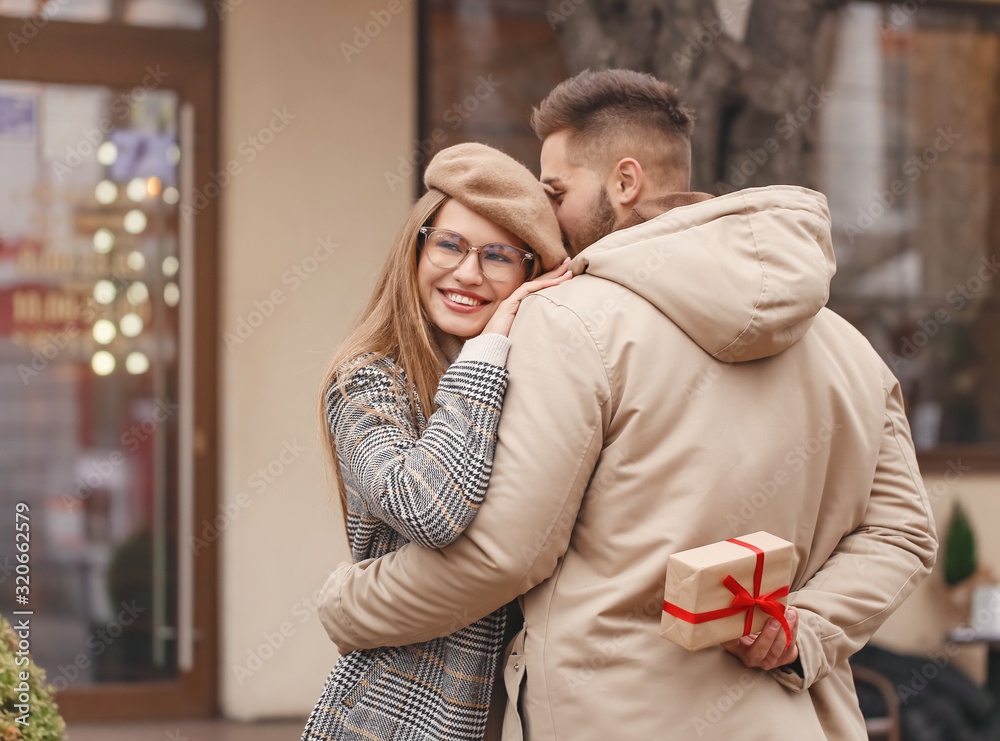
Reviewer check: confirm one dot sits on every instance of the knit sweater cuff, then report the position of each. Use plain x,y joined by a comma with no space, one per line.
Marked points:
487,348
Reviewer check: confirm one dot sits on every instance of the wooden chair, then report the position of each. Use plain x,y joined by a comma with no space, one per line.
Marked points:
886,728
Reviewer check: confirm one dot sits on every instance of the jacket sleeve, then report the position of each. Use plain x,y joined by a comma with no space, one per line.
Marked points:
548,447
428,488
875,567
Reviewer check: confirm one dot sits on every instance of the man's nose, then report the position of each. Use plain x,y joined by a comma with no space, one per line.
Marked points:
469,271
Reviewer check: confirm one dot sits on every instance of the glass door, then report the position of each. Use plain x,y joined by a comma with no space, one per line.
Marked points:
107,364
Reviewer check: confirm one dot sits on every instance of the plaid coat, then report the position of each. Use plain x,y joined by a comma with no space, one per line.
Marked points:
419,480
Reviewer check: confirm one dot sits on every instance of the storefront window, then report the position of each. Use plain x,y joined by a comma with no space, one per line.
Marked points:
908,157
89,293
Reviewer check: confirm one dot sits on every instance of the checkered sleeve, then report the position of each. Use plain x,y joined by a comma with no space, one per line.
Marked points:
426,485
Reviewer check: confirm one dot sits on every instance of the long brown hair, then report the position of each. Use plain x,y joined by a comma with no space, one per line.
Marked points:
393,325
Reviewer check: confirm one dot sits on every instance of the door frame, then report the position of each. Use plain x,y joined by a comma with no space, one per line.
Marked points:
116,55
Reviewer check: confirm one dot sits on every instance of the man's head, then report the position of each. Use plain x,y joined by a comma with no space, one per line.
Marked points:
609,140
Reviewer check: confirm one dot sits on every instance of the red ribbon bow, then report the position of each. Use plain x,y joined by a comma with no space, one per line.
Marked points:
743,601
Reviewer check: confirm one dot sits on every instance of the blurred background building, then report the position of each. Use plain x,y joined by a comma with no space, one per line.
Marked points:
195,196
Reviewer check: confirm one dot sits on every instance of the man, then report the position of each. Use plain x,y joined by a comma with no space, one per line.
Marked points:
686,387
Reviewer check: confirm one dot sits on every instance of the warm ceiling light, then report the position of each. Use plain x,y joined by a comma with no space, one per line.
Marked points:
136,189
103,362
131,324
104,331
170,266
136,260
104,240
136,363
104,292
107,153
137,293
135,221
106,192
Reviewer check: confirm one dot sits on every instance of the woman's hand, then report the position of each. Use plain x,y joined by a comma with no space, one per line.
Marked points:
503,317
766,650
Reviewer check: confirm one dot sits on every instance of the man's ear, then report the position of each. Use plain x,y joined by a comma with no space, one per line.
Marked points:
626,184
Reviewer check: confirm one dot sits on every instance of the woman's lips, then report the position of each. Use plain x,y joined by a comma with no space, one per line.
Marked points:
460,307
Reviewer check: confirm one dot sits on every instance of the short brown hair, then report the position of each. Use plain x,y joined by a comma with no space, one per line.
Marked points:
618,113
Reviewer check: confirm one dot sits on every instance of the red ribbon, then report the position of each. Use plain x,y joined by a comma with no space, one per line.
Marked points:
743,601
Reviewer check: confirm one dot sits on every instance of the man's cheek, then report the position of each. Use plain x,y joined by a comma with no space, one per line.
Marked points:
565,222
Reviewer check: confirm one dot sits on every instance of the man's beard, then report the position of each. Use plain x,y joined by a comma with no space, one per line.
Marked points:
600,224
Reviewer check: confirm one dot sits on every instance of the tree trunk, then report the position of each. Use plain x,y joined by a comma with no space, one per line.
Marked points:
755,99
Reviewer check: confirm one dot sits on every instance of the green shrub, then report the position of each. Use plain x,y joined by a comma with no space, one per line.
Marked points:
959,548
44,721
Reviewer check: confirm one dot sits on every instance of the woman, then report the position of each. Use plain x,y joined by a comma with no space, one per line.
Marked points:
413,448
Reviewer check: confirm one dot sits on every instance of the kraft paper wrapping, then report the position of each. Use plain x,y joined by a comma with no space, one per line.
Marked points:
695,583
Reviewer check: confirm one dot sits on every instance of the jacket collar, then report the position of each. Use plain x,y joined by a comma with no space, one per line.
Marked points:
742,274
650,208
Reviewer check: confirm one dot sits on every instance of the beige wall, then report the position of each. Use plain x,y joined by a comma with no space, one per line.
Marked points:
322,175
920,626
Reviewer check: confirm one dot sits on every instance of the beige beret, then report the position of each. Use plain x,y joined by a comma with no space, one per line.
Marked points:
497,186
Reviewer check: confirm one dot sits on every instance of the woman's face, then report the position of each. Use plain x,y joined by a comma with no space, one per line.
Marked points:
461,300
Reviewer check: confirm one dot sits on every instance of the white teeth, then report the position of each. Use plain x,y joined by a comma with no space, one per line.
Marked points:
464,300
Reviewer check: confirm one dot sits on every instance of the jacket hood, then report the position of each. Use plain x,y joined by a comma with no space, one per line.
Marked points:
742,274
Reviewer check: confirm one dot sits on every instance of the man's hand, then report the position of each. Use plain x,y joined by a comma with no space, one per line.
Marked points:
766,650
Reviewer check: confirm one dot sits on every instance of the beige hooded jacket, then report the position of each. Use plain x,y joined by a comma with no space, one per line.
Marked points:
687,386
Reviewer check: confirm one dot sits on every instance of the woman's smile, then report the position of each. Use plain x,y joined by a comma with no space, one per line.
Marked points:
462,301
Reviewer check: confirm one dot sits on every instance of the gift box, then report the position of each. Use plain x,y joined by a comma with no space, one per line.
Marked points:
726,590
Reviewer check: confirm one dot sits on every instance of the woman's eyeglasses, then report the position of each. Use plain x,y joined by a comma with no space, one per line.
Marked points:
446,249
